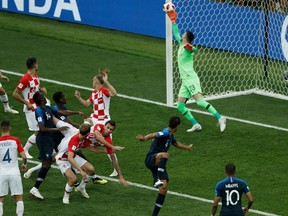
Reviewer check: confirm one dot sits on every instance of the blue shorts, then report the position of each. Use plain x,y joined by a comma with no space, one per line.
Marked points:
45,145
150,164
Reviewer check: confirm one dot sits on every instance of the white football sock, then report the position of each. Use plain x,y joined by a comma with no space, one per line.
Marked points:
19,208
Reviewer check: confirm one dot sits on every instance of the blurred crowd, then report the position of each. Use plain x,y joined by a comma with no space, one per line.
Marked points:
280,6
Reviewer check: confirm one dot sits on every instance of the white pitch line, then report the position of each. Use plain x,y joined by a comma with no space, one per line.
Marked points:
169,192
152,102
161,104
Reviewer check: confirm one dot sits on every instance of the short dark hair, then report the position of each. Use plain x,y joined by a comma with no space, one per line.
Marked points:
5,125
111,122
84,129
230,169
37,98
174,122
57,96
31,62
190,36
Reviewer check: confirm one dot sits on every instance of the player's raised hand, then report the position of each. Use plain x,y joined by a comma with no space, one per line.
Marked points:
188,46
172,15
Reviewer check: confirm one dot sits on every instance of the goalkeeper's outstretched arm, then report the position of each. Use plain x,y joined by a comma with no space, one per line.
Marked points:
173,15
176,32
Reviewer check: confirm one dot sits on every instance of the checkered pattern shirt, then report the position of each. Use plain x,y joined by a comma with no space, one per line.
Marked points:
28,85
101,102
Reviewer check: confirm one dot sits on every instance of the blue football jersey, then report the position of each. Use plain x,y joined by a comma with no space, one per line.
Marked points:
231,190
44,116
163,142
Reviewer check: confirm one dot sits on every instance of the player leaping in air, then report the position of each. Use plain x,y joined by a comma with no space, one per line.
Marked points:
190,86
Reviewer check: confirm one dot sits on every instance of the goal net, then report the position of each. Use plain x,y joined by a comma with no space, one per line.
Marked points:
241,48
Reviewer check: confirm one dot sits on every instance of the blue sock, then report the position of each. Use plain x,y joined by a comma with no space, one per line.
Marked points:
159,203
161,167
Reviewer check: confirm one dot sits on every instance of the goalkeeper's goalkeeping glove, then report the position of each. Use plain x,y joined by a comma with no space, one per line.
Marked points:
172,15
188,46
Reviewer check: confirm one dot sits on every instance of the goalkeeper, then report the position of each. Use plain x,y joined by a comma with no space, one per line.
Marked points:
190,86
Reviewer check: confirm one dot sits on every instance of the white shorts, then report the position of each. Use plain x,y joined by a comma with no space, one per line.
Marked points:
65,164
31,121
13,182
67,133
0,85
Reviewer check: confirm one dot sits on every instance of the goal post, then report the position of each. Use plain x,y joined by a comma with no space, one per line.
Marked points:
241,50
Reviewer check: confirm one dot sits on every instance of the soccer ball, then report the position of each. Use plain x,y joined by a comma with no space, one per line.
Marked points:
169,6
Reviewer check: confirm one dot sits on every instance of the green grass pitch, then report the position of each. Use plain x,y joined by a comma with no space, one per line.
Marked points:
72,54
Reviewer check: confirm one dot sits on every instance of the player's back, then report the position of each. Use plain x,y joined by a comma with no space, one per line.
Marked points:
231,190
9,147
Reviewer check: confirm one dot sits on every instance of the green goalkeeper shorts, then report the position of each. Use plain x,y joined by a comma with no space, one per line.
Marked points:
189,88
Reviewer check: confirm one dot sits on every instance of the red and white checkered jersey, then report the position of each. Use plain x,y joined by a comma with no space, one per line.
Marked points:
71,144
28,85
9,148
101,102
100,128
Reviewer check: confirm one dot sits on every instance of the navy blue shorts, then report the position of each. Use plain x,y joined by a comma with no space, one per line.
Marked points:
45,145
150,164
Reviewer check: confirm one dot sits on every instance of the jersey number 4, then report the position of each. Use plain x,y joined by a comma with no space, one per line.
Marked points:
7,156
229,200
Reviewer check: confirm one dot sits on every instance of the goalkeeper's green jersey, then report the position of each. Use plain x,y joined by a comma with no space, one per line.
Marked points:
185,57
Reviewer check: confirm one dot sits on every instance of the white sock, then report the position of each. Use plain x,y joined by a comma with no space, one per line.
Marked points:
109,156
1,208
89,178
35,168
68,189
82,184
30,142
5,101
19,208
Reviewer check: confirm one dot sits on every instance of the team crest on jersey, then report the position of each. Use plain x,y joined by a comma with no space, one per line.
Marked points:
32,84
48,116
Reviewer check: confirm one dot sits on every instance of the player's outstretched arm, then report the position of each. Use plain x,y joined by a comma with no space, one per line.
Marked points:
117,167
173,15
148,136
100,138
112,90
85,103
182,146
